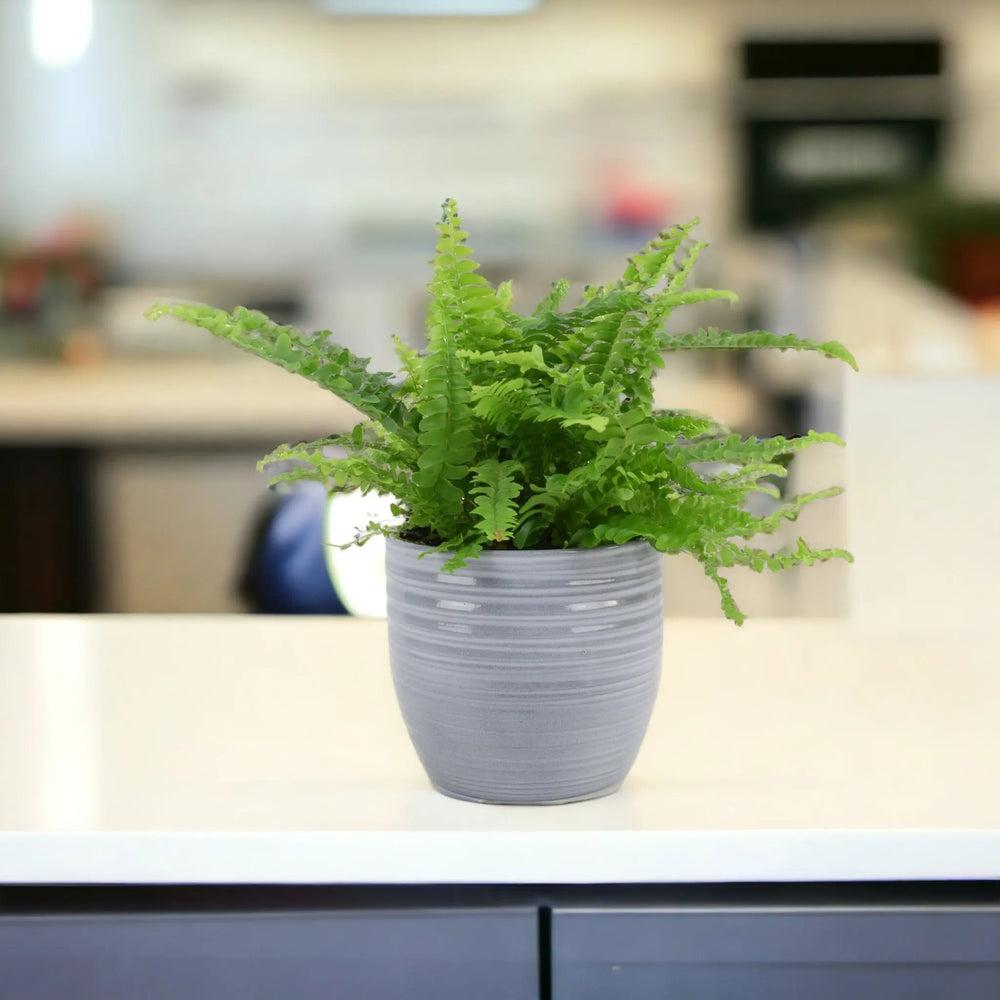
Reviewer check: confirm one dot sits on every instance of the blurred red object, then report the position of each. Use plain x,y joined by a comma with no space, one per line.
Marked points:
22,283
972,268
632,204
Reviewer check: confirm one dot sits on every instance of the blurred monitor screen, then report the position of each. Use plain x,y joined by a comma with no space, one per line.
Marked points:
825,120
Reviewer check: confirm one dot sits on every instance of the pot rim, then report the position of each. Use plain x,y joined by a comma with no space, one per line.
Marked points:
519,553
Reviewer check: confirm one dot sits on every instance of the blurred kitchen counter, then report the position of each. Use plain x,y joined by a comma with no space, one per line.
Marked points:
149,400
154,400
131,482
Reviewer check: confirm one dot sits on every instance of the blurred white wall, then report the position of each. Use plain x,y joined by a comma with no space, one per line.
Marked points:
360,120
81,136
921,508
253,138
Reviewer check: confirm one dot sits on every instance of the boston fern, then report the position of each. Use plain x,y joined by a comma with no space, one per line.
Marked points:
539,431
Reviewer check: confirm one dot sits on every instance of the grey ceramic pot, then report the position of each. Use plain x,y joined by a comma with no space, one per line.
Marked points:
526,677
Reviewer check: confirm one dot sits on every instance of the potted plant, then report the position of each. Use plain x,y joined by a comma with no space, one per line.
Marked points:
534,487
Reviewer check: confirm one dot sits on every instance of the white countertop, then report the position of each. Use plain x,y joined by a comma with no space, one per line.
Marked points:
270,750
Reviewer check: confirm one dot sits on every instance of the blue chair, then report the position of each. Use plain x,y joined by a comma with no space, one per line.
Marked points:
286,572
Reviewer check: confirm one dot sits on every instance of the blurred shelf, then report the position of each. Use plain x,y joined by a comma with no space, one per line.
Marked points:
149,401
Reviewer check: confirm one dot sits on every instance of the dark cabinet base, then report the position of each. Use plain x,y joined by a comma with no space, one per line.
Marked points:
421,954
918,941
923,953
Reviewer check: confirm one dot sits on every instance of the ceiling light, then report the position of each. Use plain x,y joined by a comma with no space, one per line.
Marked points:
60,30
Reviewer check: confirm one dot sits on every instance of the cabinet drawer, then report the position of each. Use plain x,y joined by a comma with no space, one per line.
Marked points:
489,954
776,954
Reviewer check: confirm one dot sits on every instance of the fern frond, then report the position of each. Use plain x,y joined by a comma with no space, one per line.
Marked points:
731,554
551,301
673,300
409,357
339,474
729,606
504,294
722,340
312,356
662,304
446,438
649,266
595,421
523,361
687,424
300,473
753,450
622,528
446,432
303,451
574,404
496,491
501,402
459,551
460,292
787,512
362,536
608,345
680,276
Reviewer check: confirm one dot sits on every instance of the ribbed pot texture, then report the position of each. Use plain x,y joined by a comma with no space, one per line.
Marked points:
526,677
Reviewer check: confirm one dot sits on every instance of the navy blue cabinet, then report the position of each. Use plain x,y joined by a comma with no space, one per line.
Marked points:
920,953
501,943
419,954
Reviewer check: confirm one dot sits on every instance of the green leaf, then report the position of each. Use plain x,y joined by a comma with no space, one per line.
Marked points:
313,356
729,606
722,340
656,260
496,492
752,450
731,554
459,551
446,433
505,294
550,303
524,361
409,357
687,424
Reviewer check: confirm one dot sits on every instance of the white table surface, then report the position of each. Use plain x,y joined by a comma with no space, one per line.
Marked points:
266,750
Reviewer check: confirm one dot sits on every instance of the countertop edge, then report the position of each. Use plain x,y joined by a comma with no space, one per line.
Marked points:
516,858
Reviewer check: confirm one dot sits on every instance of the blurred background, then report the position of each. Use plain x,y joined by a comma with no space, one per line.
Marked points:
291,155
